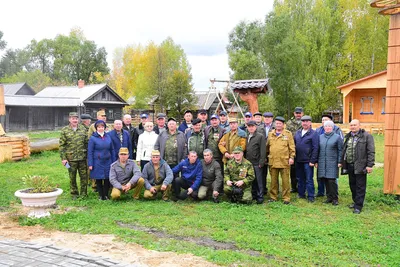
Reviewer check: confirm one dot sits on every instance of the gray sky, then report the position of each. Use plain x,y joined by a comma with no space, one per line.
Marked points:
200,27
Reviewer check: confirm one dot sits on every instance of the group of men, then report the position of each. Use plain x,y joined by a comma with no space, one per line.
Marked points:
206,158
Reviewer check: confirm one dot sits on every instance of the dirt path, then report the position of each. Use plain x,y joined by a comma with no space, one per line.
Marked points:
102,245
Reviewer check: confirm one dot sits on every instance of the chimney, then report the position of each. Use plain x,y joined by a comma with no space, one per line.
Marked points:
81,83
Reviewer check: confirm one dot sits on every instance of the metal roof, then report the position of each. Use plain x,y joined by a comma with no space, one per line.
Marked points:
202,98
12,88
38,101
250,84
72,91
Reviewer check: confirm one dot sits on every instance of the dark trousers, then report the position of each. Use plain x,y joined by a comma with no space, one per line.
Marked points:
103,187
265,174
258,186
179,183
331,185
305,174
142,163
321,187
293,177
358,186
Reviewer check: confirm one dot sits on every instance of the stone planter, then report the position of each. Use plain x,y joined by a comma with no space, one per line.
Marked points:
38,201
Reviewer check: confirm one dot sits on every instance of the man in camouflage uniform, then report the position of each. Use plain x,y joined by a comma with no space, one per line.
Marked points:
239,172
73,153
281,152
293,125
212,135
195,138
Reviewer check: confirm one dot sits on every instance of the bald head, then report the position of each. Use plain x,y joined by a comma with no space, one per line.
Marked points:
355,126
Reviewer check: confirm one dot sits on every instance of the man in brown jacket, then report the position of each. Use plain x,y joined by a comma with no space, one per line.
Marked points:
281,153
232,138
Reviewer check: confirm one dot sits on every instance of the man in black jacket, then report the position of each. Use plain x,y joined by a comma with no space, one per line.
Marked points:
358,159
256,153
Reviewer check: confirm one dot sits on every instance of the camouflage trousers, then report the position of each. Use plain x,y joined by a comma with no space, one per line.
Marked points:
247,197
81,167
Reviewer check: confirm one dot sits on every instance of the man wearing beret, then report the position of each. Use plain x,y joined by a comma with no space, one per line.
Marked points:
73,153
101,115
256,153
307,142
187,122
281,153
231,139
239,173
293,125
125,175
172,144
85,121
195,138
157,176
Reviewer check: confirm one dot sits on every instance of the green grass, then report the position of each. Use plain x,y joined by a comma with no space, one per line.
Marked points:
34,136
302,234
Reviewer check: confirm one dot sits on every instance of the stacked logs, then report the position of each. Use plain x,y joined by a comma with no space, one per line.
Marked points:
14,148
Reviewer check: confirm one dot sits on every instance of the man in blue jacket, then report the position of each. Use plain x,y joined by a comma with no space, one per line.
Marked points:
120,138
191,176
306,141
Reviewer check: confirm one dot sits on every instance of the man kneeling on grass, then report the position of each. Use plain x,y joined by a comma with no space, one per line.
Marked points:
238,177
157,176
191,176
212,177
125,175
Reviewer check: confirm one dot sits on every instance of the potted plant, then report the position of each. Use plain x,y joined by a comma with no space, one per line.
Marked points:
39,195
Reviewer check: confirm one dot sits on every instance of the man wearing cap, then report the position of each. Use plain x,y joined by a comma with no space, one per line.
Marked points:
223,118
268,126
247,117
195,138
101,115
161,126
125,175
256,153
172,144
293,125
259,123
212,135
191,175
307,142
239,172
85,121
187,123
202,115
120,138
157,176
138,131
321,131
281,153
73,153
231,139
212,177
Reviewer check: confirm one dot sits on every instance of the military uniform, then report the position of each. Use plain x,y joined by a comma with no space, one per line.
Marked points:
231,140
73,147
237,172
195,142
293,126
279,149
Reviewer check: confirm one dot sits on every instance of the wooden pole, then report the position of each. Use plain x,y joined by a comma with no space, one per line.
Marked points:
392,110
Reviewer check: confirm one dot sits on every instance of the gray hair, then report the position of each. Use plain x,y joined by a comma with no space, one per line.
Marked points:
329,123
206,151
127,116
193,152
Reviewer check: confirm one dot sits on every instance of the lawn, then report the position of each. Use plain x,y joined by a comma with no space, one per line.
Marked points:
302,234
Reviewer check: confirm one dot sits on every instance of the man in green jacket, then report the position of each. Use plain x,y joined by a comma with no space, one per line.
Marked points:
212,177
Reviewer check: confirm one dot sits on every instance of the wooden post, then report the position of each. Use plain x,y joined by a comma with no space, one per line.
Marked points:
392,110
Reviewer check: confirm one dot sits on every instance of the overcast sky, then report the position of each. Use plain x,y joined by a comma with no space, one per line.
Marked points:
200,27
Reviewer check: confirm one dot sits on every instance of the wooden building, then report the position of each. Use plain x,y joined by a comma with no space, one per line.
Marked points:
365,99
49,109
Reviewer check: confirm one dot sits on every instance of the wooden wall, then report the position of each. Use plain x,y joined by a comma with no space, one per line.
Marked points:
355,98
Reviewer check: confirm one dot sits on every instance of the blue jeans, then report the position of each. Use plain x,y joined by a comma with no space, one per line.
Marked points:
305,176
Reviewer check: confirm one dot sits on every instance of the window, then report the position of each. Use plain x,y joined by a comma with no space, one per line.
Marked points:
103,95
366,105
110,114
94,113
383,104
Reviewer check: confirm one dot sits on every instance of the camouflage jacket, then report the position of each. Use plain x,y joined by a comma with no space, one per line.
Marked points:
73,144
239,171
293,125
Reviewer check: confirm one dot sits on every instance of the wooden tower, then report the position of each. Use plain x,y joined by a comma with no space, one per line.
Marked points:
392,109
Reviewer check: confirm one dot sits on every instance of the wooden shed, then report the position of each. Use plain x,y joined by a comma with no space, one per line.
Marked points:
365,99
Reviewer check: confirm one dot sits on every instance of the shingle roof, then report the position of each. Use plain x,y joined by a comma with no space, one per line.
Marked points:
12,88
250,84
71,91
202,98
37,101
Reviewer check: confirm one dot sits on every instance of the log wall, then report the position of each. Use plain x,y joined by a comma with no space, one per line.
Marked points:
14,148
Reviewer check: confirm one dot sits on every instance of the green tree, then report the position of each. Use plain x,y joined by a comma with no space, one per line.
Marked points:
3,43
36,79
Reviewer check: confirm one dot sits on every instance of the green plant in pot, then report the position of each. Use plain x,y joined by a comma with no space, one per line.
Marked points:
38,195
